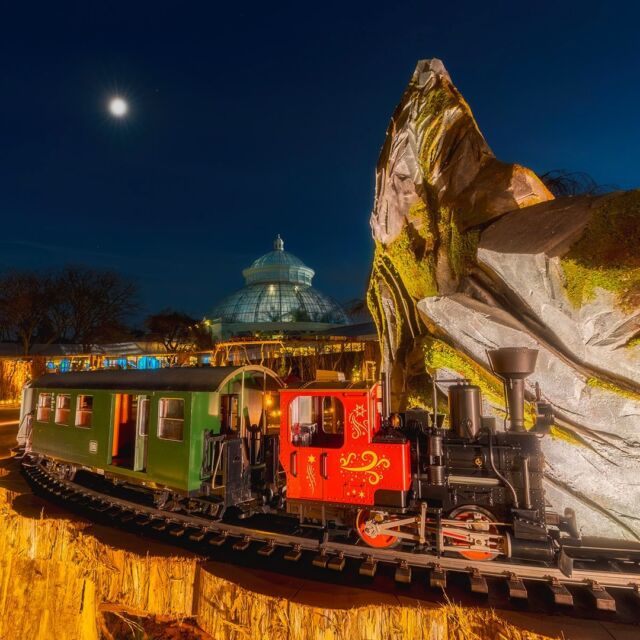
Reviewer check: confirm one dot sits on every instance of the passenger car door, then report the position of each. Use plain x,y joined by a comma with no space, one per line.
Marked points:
142,434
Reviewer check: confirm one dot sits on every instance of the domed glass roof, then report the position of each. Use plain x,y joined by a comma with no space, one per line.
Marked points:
278,289
278,266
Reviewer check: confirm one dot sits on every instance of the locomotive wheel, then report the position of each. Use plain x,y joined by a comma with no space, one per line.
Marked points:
382,541
482,521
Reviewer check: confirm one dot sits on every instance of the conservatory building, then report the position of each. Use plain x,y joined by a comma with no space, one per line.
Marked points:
278,297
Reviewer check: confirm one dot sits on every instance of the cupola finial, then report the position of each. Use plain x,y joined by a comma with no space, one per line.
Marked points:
278,245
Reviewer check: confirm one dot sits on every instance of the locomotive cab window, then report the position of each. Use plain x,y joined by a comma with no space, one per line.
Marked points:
84,411
171,418
63,408
316,421
43,411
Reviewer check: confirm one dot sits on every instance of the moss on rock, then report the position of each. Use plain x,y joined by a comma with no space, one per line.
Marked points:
614,388
413,261
607,256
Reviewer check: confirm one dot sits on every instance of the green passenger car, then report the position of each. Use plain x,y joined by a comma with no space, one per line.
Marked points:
147,427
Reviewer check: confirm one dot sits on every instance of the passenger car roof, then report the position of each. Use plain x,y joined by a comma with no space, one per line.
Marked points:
319,385
169,379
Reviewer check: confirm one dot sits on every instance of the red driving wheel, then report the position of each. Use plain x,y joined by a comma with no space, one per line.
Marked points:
380,541
482,521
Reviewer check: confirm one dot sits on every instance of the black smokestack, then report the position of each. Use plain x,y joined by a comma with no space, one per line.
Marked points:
513,365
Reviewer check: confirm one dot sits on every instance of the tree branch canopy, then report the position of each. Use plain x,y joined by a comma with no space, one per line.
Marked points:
77,304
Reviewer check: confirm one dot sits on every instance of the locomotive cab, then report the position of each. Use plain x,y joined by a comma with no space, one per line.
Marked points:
330,455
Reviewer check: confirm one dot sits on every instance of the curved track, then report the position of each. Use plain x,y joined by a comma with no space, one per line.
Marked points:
592,568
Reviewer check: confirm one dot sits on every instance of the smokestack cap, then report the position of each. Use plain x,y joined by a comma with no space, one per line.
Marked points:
513,362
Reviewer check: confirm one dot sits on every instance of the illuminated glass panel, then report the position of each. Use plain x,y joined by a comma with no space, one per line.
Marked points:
171,418
279,302
84,411
43,411
63,408
316,421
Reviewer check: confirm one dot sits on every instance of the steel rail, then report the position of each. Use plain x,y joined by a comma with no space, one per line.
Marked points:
426,560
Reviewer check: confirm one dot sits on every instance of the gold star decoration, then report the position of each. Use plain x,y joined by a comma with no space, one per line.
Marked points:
312,459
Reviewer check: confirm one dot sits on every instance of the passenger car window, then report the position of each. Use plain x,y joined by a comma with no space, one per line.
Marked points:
43,412
84,411
316,421
171,418
63,408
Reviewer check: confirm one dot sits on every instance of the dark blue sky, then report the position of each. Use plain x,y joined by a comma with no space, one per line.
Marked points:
251,119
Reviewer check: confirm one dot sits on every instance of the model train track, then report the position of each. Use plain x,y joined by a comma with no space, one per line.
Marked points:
614,568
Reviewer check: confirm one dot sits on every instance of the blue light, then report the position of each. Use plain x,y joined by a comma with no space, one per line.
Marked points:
148,362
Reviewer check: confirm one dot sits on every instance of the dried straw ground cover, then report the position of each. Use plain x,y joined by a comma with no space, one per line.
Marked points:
58,581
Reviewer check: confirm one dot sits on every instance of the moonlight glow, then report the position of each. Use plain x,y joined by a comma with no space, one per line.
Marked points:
118,107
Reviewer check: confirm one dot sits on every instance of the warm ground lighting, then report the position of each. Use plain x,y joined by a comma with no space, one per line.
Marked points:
118,107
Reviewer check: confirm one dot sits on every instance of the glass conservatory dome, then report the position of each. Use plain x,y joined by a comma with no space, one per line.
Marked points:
278,290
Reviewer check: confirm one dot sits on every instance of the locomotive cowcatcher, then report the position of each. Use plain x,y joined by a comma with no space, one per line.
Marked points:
233,442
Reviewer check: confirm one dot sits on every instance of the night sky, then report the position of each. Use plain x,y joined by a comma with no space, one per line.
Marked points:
251,119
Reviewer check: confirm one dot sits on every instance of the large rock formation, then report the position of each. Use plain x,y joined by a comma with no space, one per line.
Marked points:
472,253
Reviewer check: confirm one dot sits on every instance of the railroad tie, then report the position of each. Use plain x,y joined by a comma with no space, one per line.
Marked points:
403,572
267,549
437,577
478,583
604,600
218,541
561,595
198,535
321,560
294,554
159,525
516,587
368,567
243,544
337,562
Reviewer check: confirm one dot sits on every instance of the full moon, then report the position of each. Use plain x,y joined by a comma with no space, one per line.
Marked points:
118,107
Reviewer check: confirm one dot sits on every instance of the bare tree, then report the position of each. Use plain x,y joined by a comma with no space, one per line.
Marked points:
25,299
573,183
172,328
91,305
